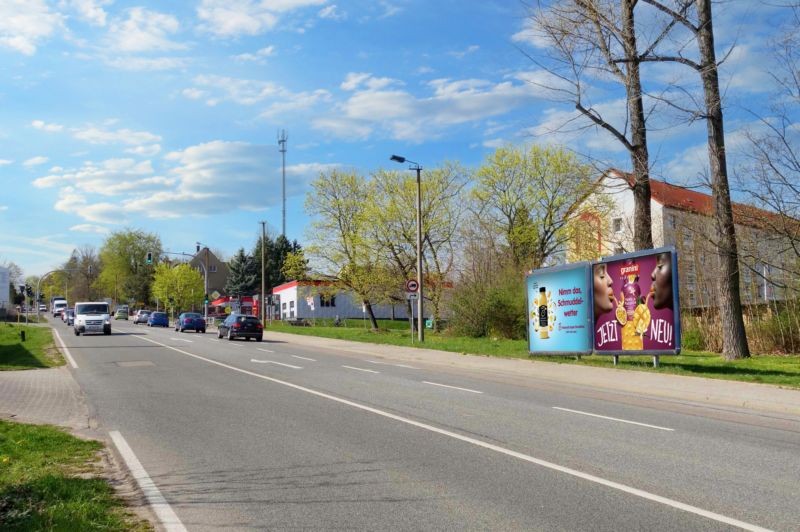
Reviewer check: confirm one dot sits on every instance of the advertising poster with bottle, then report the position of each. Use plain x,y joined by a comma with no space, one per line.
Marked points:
636,308
559,310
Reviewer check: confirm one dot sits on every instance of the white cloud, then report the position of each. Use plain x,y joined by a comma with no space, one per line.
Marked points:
145,150
532,35
331,12
95,135
90,11
3,207
138,64
356,80
296,102
310,170
144,31
90,228
404,116
24,23
234,18
194,94
35,161
241,91
462,53
200,173
5,162
50,128
258,56
112,177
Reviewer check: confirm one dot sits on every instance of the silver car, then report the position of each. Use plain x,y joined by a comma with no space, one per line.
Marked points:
141,316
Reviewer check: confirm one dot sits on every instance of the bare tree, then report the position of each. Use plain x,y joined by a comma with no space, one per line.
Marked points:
701,29
596,39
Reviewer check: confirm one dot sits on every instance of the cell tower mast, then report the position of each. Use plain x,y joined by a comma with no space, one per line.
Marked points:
282,138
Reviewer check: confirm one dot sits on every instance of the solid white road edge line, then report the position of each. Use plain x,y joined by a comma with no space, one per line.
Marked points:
404,366
613,419
361,369
304,358
66,351
502,450
265,350
157,501
453,387
273,362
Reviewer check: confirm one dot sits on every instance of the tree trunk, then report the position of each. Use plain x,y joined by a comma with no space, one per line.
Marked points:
373,322
734,338
640,160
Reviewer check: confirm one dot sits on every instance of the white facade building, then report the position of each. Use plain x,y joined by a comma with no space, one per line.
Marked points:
312,299
682,217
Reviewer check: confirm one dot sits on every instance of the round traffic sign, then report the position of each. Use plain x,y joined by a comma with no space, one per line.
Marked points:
412,285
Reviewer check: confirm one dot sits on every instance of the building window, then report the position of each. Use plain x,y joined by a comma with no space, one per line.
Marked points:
327,301
283,306
672,222
291,305
617,225
212,268
687,240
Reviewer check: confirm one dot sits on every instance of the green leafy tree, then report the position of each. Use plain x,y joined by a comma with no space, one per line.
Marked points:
338,200
394,231
295,266
275,253
180,288
526,200
243,278
124,273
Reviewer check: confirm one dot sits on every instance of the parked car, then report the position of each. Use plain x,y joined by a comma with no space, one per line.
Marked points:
190,320
241,326
121,314
141,316
158,319
69,317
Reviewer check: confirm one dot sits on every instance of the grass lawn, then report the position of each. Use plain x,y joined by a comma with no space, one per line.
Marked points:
37,351
49,481
767,369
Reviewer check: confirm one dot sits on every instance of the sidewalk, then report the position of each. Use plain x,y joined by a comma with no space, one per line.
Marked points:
48,396
732,394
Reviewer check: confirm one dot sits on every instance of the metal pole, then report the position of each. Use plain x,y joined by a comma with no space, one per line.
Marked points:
205,305
282,143
420,324
263,278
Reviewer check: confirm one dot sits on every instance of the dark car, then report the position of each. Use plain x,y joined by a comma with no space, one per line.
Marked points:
241,326
158,319
190,320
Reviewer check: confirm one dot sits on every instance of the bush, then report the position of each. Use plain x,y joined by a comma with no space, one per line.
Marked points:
494,308
775,332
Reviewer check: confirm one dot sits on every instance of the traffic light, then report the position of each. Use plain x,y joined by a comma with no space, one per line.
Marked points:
149,258
29,290
205,300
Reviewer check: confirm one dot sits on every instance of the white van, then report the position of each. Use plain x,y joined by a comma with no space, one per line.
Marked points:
92,317
59,305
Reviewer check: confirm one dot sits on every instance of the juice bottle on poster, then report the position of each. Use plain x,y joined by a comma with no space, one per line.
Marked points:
632,298
543,309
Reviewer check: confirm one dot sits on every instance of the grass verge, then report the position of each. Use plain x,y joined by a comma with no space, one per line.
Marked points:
37,351
764,369
49,480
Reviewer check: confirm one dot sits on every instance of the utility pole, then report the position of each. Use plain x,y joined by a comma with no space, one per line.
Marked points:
282,138
263,269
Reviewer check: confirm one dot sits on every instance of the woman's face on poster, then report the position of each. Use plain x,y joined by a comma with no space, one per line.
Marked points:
603,290
662,282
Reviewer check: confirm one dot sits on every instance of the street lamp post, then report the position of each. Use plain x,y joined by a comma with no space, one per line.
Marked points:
420,304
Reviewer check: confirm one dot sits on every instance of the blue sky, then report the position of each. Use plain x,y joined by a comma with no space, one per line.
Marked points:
164,115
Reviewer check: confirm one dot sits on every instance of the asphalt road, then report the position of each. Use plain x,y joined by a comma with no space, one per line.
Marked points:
275,435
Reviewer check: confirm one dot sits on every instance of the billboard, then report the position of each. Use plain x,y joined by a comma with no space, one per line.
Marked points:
635,303
559,310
